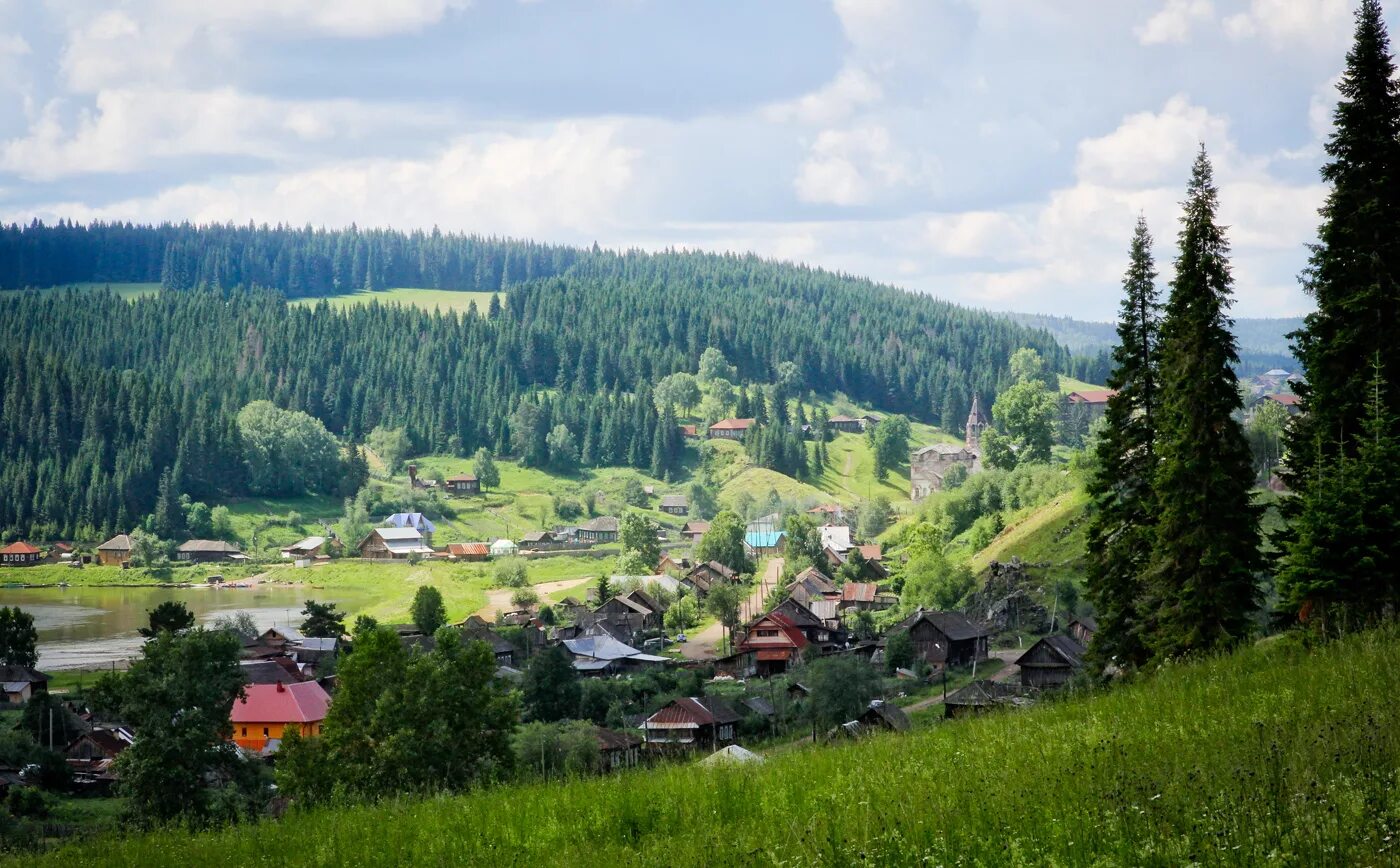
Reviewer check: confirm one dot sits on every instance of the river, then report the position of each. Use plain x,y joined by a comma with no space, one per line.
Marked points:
93,628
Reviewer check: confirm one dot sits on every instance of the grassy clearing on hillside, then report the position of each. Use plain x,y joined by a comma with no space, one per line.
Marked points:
126,291
1274,755
426,299
1051,534
1070,384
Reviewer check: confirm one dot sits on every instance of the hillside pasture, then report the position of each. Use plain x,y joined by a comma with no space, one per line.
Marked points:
125,291
1277,754
419,297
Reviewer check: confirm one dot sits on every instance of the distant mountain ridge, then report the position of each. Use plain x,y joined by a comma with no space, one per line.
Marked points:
1263,341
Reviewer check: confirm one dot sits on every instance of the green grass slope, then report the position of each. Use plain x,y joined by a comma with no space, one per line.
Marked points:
1052,534
1274,755
427,299
126,291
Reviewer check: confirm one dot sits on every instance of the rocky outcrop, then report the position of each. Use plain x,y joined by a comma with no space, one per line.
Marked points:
1008,599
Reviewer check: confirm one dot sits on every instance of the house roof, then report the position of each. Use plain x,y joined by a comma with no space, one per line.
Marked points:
503,544
843,418
475,548
537,536
13,674
119,543
109,740
950,624
674,500
398,534
411,519
759,705
309,544
1276,372
291,634
611,739
695,527
1287,399
208,545
603,523
1091,396
19,547
732,425
607,648
983,693
462,477
1089,621
941,449
814,581
1069,651
483,633
283,669
763,539
318,643
636,606
858,592
303,702
696,711
872,552
890,713
798,614
689,430
835,536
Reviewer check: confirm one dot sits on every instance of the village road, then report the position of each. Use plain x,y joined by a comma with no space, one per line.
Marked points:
498,599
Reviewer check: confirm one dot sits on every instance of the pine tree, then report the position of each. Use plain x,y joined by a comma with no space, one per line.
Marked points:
1339,568
1206,550
1354,271
1121,529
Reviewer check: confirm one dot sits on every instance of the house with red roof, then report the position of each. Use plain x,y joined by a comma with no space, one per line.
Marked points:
472,551
1288,401
20,554
779,638
266,711
692,722
730,429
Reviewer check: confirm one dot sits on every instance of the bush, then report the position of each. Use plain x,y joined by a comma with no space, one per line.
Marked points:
29,802
511,573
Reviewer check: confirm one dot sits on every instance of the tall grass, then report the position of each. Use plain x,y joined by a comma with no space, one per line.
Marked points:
1274,755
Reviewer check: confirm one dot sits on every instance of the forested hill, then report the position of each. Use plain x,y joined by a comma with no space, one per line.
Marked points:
102,397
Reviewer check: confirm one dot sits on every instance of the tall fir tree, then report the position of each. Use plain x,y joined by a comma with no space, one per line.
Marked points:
1354,270
1121,531
1201,578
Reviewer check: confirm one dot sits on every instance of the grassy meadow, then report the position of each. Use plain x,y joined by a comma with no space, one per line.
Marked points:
1274,755
127,291
426,299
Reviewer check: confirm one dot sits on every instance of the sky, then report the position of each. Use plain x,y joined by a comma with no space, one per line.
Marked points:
990,152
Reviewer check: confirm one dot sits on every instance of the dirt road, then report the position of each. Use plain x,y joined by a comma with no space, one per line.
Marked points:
1007,670
498,599
704,645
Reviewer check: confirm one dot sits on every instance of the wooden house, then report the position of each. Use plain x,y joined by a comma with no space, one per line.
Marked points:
670,564
1094,402
473,551
632,603
690,723
20,683
1083,630
463,484
416,520
539,540
102,742
730,429
690,432
115,551
879,716
266,711
20,554
943,638
779,638
983,696
394,544
864,597
845,424
200,551
691,531
811,585
702,577
1051,662
1289,401
617,750
761,543
674,504
307,548
602,654
603,529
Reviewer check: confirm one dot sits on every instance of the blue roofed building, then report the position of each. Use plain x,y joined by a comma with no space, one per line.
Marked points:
416,520
758,543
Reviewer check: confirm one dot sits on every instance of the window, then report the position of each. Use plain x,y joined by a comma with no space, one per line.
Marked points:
768,634
264,732
245,732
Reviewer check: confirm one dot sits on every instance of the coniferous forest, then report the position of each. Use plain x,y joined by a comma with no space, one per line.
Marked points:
103,397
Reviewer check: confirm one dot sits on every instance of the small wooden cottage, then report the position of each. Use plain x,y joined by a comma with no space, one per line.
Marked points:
692,530
20,554
691,723
603,529
463,484
943,638
617,750
200,551
674,504
1051,662
115,551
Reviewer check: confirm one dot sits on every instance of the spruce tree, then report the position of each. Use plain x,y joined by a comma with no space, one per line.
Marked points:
1122,526
1206,550
1354,271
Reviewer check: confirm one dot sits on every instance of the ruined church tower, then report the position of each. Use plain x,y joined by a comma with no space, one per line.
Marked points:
976,422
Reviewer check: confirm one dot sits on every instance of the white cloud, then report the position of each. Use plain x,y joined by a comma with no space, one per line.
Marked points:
1154,147
852,89
170,40
853,167
1174,21
136,128
1317,24
570,180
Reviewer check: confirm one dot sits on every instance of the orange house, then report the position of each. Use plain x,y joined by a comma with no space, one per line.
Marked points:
267,710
